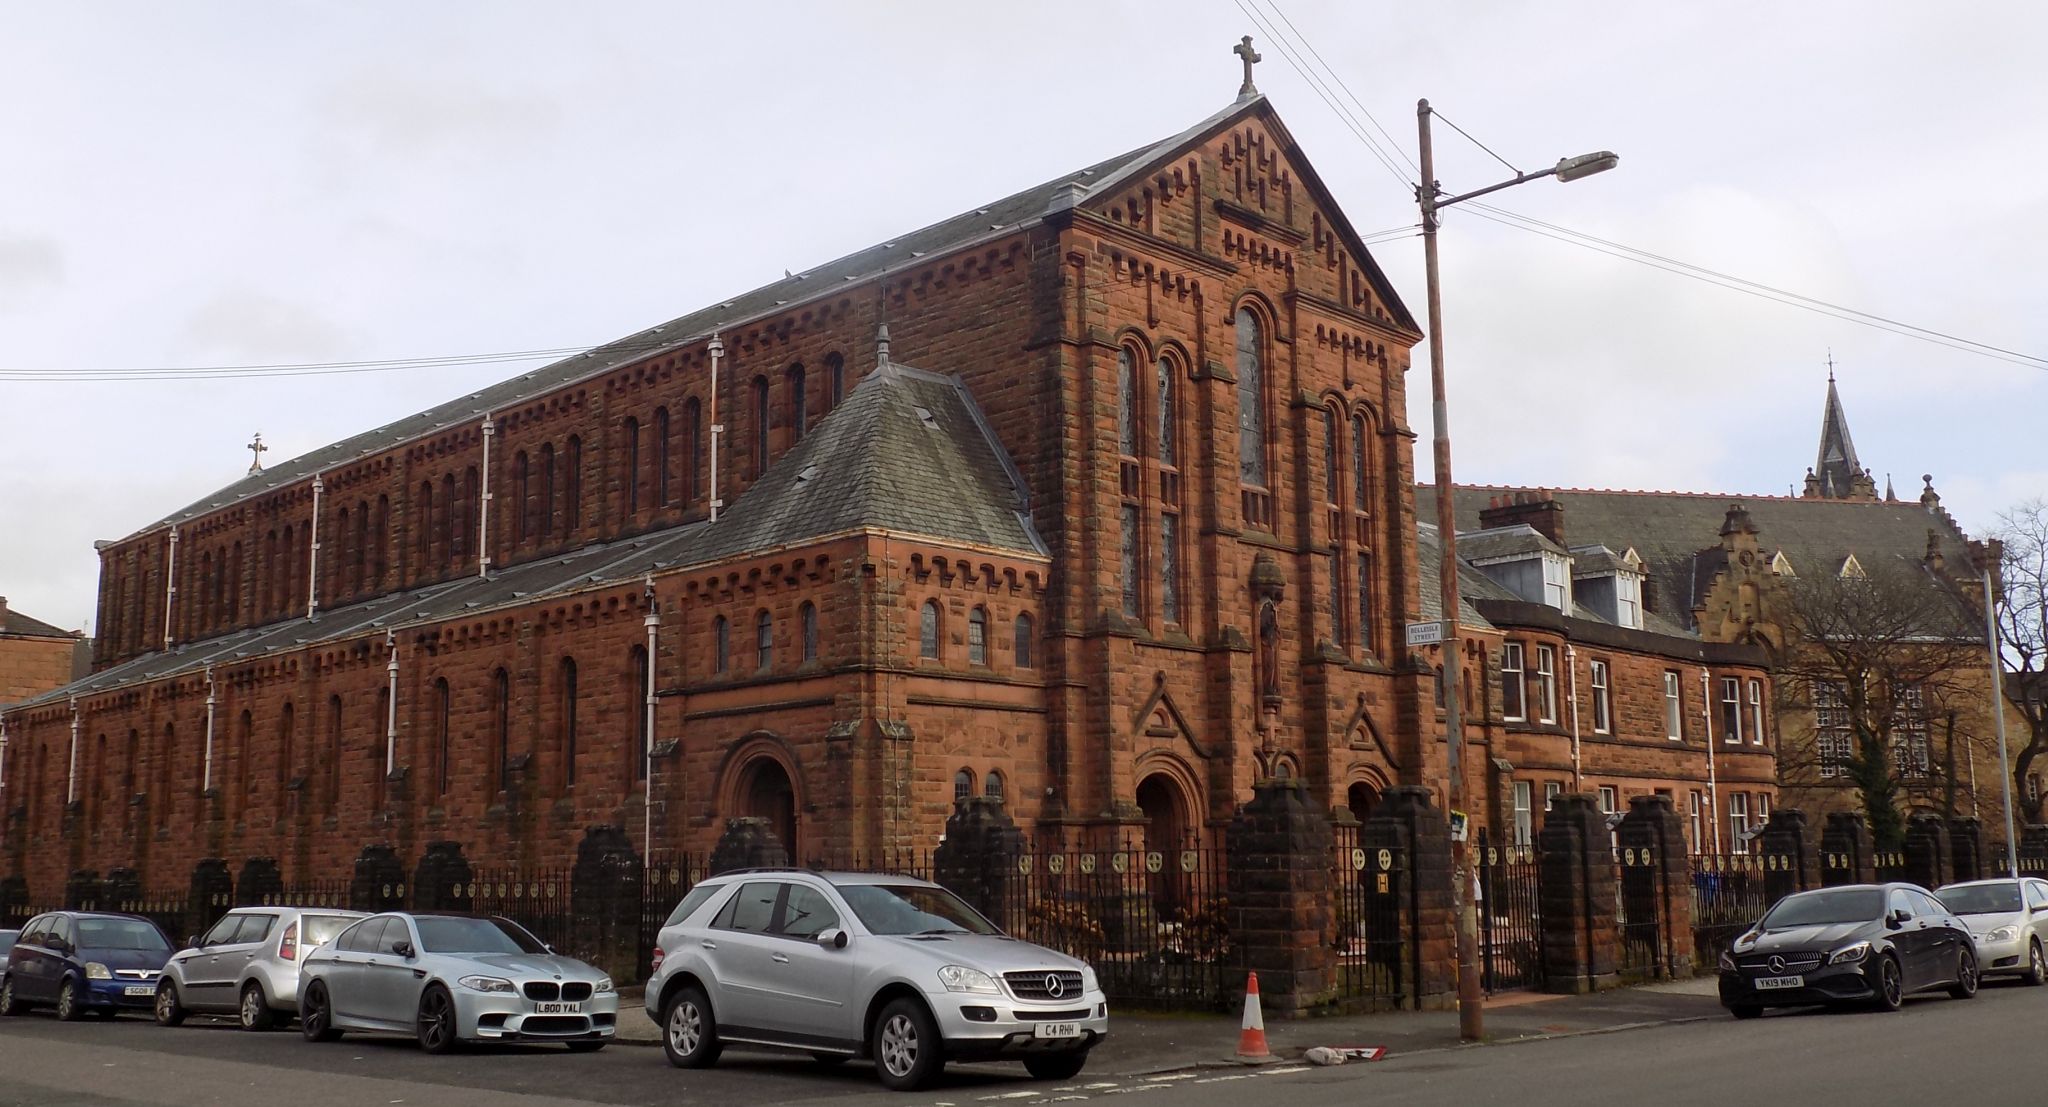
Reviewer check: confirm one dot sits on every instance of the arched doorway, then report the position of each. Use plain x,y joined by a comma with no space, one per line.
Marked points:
1166,820
1361,798
766,793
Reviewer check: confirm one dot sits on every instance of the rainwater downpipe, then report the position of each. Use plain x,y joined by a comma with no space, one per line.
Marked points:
717,350
313,552
391,709
170,584
206,765
483,509
1571,662
653,622
1713,786
71,775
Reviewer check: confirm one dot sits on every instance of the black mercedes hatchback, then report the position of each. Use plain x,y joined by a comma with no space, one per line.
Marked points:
1862,943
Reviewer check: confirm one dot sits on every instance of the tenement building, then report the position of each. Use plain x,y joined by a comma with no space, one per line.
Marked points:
1728,698
1096,499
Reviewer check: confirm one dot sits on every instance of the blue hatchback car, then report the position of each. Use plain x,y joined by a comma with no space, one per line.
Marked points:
79,961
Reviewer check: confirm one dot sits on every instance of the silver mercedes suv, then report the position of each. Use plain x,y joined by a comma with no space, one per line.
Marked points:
247,965
842,965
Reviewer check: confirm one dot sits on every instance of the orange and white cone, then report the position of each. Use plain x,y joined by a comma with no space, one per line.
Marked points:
1251,1039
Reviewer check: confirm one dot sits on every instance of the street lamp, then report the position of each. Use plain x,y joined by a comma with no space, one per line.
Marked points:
1431,199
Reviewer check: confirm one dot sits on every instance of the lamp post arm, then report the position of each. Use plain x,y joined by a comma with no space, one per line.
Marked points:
1439,204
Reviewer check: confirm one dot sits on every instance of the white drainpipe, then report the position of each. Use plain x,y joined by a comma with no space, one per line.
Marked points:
483,510
1571,661
1713,787
391,709
170,584
653,623
313,552
71,775
717,350
206,770
3,761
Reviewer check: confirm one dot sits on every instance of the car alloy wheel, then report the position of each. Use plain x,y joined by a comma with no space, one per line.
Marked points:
437,1021
316,1019
689,1033
899,1046
2037,967
255,1009
168,1012
8,1004
906,1047
1890,990
1966,976
69,1009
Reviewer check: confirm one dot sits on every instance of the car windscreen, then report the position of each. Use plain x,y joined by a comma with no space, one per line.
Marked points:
1981,899
449,934
120,934
912,909
1842,905
318,930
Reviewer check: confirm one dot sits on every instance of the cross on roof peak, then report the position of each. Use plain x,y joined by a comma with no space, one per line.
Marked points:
1250,58
256,450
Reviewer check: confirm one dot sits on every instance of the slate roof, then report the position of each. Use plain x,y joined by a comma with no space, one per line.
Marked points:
1472,584
1003,217
1677,534
907,452
15,623
1512,541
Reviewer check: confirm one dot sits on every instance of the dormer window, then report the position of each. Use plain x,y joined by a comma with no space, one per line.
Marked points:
1557,586
1628,600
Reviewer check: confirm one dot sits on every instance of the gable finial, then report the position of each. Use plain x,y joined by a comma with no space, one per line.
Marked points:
882,345
257,449
1250,57
1831,365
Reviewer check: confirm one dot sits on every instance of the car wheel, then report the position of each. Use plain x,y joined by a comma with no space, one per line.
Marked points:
316,1015
1056,1066
255,1012
2037,967
689,1032
1891,990
8,1004
906,1047
168,1011
584,1047
436,1027
1746,1011
1966,976
70,1005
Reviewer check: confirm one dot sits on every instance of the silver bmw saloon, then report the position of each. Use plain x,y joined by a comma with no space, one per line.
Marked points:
451,979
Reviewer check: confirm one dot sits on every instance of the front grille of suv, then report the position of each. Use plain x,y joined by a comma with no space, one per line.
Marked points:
1051,985
543,991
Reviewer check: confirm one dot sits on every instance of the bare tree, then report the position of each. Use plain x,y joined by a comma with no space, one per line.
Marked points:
2022,608
1878,655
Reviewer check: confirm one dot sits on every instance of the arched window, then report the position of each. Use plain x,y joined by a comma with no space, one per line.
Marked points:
807,618
1361,485
693,447
466,536
234,589
423,529
643,676
928,630
799,404
764,639
451,518
1022,641
287,753
662,488
382,539
272,579
835,377
1166,401
501,729
359,553
163,802
1333,460
1126,403
572,486
330,759
632,466
977,637
522,499
443,710
238,793
1251,401
721,644
566,684
378,760
293,573
963,785
992,786
547,492
760,425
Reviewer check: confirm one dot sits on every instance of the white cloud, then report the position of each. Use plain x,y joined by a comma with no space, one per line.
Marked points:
27,265
254,325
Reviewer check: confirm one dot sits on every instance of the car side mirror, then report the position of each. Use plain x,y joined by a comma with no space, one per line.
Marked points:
832,938
192,942
402,948
1895,920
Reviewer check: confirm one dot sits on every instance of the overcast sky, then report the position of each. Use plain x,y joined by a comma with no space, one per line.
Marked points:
228,183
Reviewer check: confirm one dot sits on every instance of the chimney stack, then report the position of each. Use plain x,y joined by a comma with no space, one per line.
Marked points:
1537,509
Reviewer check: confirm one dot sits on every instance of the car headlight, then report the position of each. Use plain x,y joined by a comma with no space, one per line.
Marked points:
604,986
1088,982
1727,961
960,978
96,971
485,984
1850,954
2002,934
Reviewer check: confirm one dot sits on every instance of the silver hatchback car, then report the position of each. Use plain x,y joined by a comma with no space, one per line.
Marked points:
2009,919
844,965
450,979
247,965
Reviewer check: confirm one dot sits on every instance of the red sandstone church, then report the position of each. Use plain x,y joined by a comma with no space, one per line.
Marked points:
1097,500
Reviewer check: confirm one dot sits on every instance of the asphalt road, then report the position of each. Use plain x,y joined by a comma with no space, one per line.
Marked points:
1937,1051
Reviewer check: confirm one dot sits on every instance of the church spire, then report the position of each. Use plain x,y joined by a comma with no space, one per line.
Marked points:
1837,474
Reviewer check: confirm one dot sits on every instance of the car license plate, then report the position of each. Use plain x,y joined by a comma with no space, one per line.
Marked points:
139,990
1768,983
557,1008
1057,1030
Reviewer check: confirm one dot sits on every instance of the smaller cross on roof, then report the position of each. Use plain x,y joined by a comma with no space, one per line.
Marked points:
1250,57
256,450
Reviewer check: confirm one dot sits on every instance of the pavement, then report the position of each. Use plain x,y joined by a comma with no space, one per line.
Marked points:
1143,1043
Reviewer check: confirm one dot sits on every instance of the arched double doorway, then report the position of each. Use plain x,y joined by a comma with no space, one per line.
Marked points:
766,792
1361,798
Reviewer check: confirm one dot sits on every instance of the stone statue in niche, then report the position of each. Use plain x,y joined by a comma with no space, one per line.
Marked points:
1269,653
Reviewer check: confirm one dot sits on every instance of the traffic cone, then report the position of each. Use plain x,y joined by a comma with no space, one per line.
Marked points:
1251,1039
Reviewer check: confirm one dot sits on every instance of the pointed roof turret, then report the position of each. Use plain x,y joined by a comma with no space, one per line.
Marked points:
1838,473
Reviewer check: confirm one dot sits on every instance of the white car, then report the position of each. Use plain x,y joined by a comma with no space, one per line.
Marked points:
2010,921
843,965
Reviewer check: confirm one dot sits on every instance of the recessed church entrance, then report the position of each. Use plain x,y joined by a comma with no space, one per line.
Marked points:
766,793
